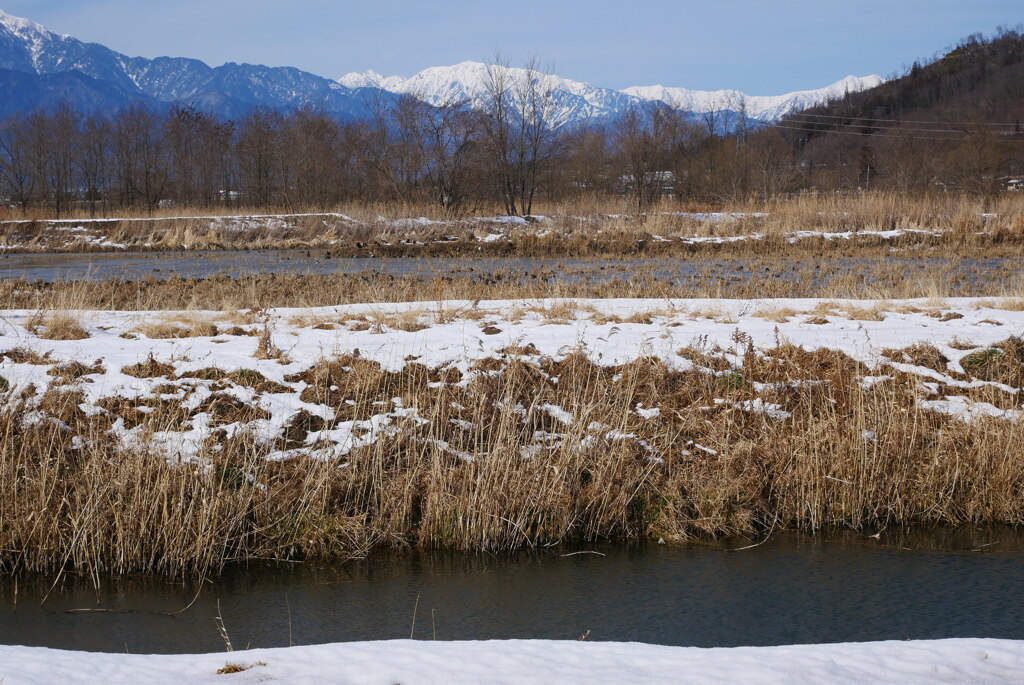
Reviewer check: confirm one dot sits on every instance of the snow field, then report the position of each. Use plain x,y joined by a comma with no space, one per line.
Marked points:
978,661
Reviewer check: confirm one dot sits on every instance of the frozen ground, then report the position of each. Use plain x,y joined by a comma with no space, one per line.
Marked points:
590,663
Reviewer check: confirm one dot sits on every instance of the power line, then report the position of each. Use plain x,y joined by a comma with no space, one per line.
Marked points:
899,128
886,135
897,121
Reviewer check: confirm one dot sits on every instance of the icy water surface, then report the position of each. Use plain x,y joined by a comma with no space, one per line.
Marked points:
784,591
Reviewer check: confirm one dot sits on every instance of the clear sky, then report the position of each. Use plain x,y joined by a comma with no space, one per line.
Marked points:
761,47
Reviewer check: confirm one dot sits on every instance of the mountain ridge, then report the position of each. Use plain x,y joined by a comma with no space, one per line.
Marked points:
232,89
468,80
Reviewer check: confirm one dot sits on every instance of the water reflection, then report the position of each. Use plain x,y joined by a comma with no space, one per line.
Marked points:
787,590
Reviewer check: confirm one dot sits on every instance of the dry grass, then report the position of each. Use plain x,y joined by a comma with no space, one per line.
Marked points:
947,222
178,327
921,354
410,320
777,314
873,313
24,355
57,325
74,370
1002,363
265,347
151,368
250,378
486,463
555,313
230,668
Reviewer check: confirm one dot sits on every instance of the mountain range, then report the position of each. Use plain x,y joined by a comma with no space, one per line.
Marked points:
40,68
577,101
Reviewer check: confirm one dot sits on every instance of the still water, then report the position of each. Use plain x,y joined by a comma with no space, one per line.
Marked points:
787,590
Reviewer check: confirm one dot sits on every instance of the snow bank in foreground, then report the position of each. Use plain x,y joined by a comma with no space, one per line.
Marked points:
538,661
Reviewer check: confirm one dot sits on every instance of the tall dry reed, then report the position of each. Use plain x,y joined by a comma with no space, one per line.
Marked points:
526,452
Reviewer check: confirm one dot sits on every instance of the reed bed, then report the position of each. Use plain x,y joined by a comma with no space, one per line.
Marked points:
966,225
523,451
836,210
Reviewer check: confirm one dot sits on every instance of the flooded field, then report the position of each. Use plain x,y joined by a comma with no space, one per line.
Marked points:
145,265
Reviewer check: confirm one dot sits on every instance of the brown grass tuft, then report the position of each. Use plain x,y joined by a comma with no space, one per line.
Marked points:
58,326
150,368
23,355
921,354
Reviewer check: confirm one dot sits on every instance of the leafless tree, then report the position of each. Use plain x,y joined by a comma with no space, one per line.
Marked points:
642,142
15,164
140,157
519,131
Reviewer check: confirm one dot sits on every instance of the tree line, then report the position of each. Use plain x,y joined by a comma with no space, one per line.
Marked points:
507,152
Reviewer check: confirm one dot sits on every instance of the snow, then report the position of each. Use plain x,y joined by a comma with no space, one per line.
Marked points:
969,410
759,406
558,414
467,82
20,25
72,234
94,220
762,107
791,237
595,327
980,661
576,100
35,37
715,217
847,235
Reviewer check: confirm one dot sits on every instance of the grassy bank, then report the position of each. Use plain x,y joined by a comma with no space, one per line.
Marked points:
857,223
149,445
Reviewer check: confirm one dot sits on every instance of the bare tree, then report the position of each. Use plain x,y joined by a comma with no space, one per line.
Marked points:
93,160
519,131
140,157
643,140
537,138
15,161
771,164
257,151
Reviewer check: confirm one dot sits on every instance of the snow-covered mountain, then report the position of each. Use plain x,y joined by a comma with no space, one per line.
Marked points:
761,107
579,101
467,82
41,68
91,76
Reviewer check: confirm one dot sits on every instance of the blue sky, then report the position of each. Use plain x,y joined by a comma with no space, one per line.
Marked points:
761,47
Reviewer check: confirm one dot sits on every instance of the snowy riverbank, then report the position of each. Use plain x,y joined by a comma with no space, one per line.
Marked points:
257,358
536,661
499,424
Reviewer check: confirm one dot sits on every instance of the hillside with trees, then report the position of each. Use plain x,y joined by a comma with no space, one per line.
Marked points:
951,123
